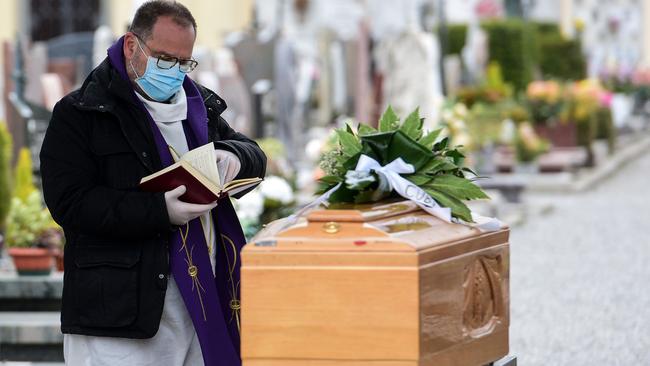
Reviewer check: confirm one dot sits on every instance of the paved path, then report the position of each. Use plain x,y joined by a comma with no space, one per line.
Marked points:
580,275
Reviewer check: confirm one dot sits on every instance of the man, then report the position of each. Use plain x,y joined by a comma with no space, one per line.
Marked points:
149,279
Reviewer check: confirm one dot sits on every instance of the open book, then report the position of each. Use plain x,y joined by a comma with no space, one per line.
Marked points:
197,171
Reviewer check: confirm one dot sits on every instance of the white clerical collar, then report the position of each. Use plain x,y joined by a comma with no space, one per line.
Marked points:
174,111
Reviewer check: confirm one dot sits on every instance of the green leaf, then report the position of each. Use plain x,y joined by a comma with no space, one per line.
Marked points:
342,160
331,179
457,187
437,165
402,146
349,129
350,145
441,145
364,196
456,155
458,208
466,169
343,194
418,179
412,125
323,187
389,120
430,138
366,130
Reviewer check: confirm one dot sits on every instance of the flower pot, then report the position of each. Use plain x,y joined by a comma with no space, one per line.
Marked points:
58,258
559,134
530,167
32,261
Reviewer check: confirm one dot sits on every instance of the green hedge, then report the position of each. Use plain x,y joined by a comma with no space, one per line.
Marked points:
520,47
456,35
544,28
513,44
605,129
560,58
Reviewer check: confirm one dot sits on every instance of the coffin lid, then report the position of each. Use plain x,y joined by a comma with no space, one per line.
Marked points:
397,225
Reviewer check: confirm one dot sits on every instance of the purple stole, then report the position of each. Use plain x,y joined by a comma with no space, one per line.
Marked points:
212,301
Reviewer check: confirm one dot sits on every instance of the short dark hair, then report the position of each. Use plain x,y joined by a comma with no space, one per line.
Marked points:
149,12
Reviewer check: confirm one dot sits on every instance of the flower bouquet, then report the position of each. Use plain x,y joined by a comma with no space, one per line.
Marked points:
528,145
544,101
399,158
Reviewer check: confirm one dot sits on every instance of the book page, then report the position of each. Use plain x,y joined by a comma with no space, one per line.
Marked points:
204,160
239,185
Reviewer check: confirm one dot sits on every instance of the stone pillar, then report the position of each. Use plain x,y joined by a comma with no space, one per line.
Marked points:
567,18
645,47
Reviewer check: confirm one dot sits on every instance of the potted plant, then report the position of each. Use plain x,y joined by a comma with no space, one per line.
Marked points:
29,224
26,223
545,103
584,99
528,147
5,179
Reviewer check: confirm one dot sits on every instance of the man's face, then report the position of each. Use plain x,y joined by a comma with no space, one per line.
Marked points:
167,39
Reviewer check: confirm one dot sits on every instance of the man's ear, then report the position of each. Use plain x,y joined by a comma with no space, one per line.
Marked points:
130,46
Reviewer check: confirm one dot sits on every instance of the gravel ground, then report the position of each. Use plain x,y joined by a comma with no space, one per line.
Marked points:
580,275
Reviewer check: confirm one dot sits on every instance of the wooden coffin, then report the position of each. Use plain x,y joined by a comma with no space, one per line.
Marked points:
382,285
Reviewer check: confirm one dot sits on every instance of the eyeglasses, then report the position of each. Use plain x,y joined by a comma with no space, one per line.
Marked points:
167,62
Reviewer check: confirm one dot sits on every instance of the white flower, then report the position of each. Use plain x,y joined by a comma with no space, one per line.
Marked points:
277,189
313,149
447,115
250,206
508,131
460,110
463,139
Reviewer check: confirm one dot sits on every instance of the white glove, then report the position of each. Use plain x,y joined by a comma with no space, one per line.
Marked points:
228,165
180,213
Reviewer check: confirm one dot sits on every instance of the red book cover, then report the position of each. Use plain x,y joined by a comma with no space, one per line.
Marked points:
197,189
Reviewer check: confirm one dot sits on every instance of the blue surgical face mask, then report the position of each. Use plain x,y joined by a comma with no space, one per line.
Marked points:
159,84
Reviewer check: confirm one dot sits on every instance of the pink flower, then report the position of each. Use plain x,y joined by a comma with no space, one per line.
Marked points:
606,99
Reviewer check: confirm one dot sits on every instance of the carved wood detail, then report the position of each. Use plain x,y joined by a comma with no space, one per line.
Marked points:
483,305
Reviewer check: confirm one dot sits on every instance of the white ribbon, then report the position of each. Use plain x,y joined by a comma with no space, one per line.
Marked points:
390,179
391,174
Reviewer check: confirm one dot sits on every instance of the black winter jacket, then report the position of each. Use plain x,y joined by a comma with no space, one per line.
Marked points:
98,146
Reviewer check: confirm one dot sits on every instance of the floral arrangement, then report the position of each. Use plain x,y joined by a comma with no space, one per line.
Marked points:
454,120
435,166
544,99
6,193
29,223
584,98
493,90
527,144
274,197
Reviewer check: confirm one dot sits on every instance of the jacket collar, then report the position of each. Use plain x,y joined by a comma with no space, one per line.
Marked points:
110,80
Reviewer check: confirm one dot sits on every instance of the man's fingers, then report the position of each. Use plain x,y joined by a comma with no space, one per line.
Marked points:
194,208
177,192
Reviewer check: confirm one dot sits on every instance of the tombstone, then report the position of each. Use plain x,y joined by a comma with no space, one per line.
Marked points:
71,55
102,40
35,67
413,80
53,89
232,87
254,56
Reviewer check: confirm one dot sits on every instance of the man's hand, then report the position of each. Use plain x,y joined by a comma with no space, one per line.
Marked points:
228,165
180,213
